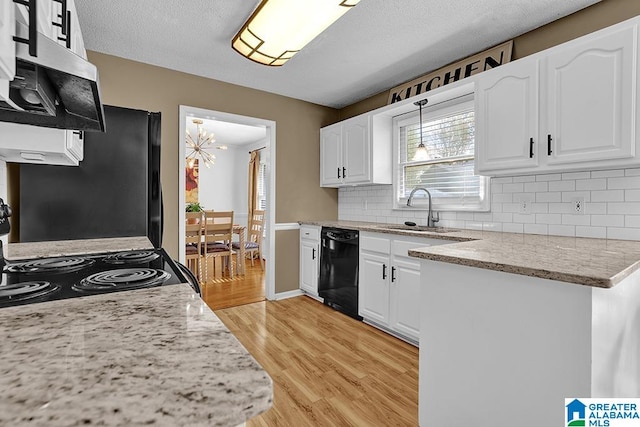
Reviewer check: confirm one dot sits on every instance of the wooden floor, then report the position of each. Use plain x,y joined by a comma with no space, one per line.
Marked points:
327,369
242,289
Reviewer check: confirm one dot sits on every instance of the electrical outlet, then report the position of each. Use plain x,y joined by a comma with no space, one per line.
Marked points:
364,205
578,205
524,204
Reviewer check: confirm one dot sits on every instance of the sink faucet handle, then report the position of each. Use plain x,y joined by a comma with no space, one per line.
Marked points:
435,216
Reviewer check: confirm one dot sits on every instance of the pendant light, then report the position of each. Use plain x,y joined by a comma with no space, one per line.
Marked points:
421,153
278,29
199,145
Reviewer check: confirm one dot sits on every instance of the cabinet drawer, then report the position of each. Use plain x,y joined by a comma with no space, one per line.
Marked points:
312,233
375,244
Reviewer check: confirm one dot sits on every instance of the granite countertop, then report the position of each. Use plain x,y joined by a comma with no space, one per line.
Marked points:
592,262
16,251
154,356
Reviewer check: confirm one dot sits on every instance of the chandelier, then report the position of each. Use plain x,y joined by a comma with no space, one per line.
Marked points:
199,145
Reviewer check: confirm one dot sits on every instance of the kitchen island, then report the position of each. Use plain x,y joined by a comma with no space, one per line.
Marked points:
512,325
152,356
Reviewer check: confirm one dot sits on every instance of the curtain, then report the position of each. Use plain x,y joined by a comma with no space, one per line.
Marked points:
254,170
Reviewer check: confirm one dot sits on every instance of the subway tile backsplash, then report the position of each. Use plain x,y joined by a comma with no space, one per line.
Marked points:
611,205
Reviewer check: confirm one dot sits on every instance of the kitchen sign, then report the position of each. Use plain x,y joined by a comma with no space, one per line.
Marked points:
475,64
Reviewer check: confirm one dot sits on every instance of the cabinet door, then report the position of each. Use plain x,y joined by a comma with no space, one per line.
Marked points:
507,117
75,143
76,43
590,99
309,266
330,156
46,18
405,297
373,288
356,150
7,45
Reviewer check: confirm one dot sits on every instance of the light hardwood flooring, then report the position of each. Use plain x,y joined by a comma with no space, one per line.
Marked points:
327,369
226,292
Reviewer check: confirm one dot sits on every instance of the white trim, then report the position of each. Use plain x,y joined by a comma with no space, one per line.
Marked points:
314,297
271,193
282,226
289,294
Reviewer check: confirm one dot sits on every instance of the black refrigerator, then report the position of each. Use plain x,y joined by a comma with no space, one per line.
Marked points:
115,192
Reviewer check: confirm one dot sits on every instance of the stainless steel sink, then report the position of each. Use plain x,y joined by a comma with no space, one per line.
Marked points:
418,228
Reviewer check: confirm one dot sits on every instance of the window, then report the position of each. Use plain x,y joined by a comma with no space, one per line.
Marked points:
447,169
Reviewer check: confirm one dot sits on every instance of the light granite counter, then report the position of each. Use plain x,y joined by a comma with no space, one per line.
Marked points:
592,262
155,356
15,251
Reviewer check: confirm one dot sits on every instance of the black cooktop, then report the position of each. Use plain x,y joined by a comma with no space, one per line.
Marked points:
48,279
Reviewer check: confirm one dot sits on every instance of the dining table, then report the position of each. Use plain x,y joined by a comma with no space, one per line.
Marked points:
240,231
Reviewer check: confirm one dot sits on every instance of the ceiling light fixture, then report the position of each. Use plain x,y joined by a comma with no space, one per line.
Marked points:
200,145
278,29
421,153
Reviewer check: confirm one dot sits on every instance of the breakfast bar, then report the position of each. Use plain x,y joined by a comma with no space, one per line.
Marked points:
523,322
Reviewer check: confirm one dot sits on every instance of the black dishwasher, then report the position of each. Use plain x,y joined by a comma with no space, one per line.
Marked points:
338,283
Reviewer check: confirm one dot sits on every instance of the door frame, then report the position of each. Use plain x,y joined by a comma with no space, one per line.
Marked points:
270,125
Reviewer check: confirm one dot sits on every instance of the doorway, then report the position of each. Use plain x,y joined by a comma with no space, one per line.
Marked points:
223,185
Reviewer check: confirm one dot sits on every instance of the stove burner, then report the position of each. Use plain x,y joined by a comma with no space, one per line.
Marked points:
131,257
10,294
122,280
50,265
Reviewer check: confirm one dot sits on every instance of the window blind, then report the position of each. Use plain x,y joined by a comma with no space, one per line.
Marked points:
447,170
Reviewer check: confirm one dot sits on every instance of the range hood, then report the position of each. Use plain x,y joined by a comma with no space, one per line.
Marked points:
56,88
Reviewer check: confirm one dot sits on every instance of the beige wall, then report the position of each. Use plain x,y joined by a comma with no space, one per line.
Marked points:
287,278
298,194
593,18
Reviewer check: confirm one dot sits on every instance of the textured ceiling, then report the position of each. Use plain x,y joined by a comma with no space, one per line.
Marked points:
375,46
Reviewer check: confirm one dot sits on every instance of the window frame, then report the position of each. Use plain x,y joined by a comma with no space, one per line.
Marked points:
430,113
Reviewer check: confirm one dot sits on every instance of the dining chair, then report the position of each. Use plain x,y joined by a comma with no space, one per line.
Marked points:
253,244
193,243
218,233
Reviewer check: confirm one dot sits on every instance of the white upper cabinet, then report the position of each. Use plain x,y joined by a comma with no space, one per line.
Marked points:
68,32
7,45
33,144
568,108
356,151
590,99
331,156
507,117
58,20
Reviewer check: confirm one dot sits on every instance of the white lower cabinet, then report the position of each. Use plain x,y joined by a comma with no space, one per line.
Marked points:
309,259
389,283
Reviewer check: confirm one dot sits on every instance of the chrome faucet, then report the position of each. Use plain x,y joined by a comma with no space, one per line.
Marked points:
431,219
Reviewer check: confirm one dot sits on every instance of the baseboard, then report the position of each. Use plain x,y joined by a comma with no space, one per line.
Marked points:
392,333
315,297
288,294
